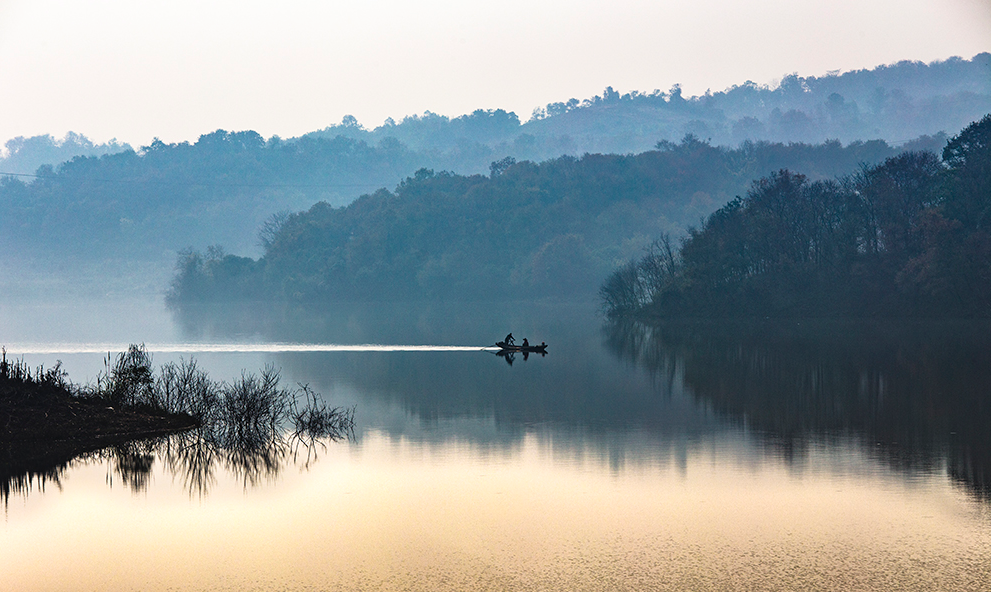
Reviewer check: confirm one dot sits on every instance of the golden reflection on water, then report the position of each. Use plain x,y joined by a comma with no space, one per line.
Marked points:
396,515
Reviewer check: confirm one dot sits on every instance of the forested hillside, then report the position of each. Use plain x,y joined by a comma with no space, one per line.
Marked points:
168,196
525,230
23,156
113,211
908,237
896,103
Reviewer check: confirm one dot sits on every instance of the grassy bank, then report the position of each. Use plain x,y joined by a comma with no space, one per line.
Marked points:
43,406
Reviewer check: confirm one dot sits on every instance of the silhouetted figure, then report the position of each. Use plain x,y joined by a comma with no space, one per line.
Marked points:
510,340
526,343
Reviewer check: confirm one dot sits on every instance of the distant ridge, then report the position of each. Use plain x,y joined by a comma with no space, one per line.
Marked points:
896,103
139,208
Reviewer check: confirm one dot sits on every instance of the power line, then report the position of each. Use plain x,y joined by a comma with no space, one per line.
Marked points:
203,183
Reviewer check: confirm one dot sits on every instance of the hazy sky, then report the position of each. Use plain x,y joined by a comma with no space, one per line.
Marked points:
136,69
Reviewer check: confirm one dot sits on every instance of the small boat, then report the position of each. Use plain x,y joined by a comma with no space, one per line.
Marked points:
541,349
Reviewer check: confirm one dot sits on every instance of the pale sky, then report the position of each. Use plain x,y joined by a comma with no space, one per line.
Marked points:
137,69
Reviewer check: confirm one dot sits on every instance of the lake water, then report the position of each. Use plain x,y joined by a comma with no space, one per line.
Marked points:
787,456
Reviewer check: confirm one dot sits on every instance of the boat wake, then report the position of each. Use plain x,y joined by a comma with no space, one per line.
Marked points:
197,348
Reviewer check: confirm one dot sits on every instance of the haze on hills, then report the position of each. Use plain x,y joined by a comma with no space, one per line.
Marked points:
896,103
176,70
113,218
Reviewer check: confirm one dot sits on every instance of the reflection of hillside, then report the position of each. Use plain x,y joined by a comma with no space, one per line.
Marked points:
919,394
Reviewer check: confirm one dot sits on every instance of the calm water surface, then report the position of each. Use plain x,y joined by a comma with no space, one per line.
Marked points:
764,457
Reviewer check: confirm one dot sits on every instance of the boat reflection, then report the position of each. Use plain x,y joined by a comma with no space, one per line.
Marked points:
510,355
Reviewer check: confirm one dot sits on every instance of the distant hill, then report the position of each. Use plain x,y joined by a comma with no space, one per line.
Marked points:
92,203
525,230
895,103
23,156
219,189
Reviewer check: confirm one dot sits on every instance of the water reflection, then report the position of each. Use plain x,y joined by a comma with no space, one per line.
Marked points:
578,388
23,469
911,396
194,457
510,356
916,395
250,428
663,458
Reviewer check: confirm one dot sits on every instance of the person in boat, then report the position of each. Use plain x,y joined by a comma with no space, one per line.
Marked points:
509,339
526,343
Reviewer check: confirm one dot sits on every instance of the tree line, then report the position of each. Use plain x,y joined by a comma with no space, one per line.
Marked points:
910,236
166,196
525,230
895,102
96,202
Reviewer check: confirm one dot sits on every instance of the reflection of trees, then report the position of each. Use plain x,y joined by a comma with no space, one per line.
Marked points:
636,342
251,452
21,472
917,393
195,456
132,463
250,427
192,456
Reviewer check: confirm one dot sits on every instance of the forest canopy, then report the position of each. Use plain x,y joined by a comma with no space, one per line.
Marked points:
894,102
910,236
217,189
525,230
110,212
71,198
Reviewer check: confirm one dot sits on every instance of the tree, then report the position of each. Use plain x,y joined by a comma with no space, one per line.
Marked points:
954,265
271,228
968,192
499,167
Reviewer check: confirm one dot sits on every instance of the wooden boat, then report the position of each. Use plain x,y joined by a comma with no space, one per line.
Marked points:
540,349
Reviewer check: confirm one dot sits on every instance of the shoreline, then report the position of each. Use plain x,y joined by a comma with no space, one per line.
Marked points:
32,412
44,427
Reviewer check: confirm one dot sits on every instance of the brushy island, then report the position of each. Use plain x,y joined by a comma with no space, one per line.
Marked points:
129,400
